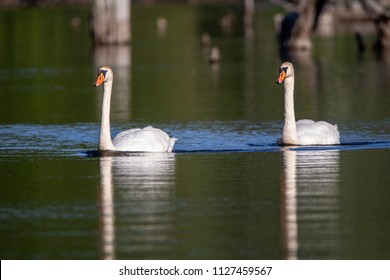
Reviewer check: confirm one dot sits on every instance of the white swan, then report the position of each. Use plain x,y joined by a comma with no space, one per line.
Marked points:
303,132
147,139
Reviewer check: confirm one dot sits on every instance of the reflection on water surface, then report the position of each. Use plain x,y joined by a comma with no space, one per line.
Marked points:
228,192
135,197
311,202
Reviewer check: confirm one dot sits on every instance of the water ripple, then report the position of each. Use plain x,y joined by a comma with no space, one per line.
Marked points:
194,137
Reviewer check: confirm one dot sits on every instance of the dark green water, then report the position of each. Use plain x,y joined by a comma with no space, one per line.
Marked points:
227,192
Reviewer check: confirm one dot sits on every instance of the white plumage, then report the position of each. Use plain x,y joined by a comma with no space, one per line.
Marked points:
148,139
303,132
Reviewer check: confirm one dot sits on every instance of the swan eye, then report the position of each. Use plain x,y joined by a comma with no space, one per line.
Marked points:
102,71
284,69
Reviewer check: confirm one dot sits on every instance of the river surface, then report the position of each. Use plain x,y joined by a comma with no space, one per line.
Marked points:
227,191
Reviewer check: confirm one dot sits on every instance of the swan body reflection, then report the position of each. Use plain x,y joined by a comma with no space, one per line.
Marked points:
310,200
135,197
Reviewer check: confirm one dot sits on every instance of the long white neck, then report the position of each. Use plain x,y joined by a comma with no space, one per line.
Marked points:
105,142
289,134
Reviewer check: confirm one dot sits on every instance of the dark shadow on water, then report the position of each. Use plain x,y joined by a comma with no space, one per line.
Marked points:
252,148
342,147
264,149
348,146
97,153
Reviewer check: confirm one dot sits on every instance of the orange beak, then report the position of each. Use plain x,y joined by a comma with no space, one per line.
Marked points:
281,77
99,80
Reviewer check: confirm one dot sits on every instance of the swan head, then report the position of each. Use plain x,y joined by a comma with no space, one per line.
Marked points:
286,70
104,75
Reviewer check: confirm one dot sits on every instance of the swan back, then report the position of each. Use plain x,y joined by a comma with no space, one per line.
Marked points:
317,133
148,139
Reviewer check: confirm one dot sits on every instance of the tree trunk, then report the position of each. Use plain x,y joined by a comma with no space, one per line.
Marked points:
249,7
296,27
302,30
110,22
381,18
383,34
